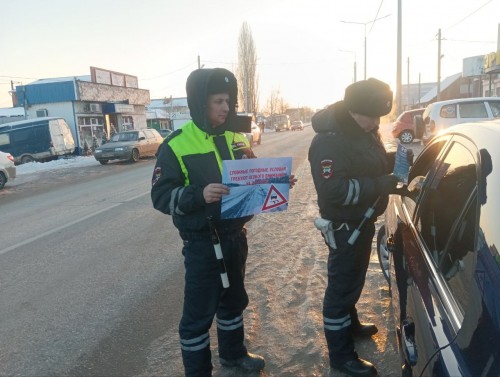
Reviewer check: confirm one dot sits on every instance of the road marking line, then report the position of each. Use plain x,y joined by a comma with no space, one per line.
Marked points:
32,239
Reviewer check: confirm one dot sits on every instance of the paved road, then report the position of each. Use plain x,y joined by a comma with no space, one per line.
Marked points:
91,276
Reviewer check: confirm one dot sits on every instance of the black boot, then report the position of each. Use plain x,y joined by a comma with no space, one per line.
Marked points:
363,329
357,368
249,362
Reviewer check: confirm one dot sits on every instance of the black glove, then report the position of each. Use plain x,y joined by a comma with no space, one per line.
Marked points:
391,159
387,184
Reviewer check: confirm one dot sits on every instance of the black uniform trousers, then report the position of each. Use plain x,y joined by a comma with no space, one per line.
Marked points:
347,266
204,297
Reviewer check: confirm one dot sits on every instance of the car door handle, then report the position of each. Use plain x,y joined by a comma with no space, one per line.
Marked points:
408,341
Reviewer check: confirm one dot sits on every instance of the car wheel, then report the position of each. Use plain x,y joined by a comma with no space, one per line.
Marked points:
134,157
103,162
27,158
3,180
406,137
383,252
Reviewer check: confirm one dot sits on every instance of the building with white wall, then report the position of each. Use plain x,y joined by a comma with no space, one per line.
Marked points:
94,106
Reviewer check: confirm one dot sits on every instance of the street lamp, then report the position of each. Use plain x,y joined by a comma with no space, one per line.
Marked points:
352,52
364,24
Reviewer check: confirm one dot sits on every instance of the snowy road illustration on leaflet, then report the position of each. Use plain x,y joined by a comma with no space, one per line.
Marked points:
251,200
256,185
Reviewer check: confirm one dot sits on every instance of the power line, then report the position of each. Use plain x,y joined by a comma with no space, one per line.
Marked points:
376,16
169,73
461,40
18,77
470,14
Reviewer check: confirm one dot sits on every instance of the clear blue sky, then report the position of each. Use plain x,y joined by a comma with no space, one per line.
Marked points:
298,43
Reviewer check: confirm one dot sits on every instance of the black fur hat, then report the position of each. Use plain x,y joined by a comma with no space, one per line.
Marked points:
370,97
221,81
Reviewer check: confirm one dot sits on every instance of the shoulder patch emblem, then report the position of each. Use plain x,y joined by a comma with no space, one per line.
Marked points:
238,144
156,175
327,168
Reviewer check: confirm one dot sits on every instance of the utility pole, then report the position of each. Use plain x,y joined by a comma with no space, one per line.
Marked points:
408,80
398,70
419,90
199,65
438,95
364,24
355,68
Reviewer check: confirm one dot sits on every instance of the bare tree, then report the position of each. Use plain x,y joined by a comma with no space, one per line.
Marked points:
246,72
272,106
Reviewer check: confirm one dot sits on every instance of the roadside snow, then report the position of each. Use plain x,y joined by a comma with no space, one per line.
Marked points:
62,163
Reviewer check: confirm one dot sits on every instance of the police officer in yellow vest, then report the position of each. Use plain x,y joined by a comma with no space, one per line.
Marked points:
187,185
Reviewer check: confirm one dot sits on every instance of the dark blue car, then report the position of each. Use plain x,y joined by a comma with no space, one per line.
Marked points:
439,249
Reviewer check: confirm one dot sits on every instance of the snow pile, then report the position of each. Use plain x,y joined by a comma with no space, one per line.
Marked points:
62,163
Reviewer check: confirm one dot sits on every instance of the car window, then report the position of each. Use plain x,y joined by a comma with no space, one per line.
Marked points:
473,110
149,134
447,219
495,109
4,139
446,195
423,168
457,263
448,111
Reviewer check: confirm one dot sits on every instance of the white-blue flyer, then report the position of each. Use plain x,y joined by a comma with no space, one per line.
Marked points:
402,164
256,185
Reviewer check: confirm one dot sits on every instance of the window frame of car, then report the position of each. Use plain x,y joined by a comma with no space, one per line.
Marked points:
465,110
412,205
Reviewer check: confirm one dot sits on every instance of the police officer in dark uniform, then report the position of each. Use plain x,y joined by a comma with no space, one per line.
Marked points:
350,169
187,185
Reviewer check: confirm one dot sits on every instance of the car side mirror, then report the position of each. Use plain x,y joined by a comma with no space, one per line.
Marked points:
142,138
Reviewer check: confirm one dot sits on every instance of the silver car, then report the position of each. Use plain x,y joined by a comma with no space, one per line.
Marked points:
129,145
7,168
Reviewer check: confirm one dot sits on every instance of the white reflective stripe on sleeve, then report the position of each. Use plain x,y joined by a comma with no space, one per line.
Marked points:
231,324
195,344
349,193
356,189
177,192
337,324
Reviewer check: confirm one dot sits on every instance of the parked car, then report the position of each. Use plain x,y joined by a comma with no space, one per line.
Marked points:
297,125
408,126
164,132
7,168
439,248
129,145
255,136
443,114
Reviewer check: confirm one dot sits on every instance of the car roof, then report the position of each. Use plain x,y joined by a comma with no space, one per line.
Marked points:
484,134
470,99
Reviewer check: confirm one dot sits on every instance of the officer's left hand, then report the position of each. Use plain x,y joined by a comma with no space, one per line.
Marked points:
292,180
214,191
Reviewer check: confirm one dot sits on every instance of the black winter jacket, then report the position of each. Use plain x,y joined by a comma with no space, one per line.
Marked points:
344,162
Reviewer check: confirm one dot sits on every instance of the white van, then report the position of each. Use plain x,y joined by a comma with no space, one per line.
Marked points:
443,114
38,139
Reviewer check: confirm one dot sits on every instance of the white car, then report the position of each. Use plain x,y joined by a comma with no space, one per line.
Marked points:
443,114
7,168
255,136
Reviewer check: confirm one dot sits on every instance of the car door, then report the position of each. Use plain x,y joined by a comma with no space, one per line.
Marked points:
439,258
144,144
151,142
